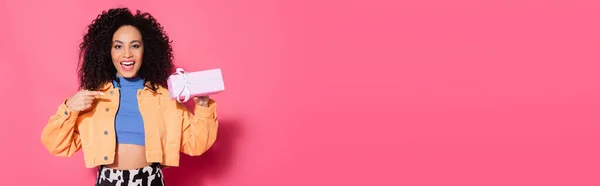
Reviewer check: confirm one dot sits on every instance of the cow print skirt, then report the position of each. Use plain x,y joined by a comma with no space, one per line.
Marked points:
147,176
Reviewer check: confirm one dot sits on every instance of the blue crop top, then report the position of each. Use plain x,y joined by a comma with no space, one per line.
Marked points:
129,124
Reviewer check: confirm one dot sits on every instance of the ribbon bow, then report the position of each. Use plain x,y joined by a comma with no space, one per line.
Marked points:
185,88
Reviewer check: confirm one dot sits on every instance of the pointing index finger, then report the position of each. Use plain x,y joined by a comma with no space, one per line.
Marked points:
94,93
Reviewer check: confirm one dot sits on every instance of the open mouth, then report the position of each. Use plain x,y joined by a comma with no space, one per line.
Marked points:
127,65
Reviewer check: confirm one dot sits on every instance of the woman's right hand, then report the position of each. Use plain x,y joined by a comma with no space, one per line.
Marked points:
82,100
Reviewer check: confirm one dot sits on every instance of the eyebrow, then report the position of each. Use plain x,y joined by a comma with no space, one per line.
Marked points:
118,41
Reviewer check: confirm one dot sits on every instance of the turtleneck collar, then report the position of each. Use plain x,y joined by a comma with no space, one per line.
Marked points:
134,82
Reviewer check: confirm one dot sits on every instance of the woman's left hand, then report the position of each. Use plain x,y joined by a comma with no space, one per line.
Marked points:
202,100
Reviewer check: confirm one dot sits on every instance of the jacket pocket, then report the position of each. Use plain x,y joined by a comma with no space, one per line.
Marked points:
173,123
86,132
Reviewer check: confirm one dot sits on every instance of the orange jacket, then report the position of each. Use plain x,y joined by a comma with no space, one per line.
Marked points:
169,128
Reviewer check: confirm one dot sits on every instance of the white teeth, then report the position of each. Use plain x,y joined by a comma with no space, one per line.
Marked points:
127,63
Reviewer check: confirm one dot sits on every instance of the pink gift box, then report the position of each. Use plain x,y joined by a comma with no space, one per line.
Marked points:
184,84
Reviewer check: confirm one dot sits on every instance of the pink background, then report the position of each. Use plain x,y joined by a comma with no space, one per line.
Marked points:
465,92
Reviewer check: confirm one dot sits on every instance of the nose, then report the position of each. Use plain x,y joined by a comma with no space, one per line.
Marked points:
128,53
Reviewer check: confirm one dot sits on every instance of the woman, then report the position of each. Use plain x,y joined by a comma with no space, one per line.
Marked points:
123,118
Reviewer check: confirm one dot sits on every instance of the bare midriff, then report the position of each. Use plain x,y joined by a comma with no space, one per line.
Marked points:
129,156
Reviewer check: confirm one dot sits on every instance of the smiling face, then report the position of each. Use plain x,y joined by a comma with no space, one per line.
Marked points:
127,51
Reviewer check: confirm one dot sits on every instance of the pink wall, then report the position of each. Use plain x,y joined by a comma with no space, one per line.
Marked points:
433,92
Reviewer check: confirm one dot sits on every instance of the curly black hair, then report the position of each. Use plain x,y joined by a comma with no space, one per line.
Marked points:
95,63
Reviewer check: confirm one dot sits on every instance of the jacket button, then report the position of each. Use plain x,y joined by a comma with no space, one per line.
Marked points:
107,109
105,157
112,92
66,113
105,132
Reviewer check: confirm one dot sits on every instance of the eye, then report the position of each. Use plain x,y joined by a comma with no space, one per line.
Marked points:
136,46
117,46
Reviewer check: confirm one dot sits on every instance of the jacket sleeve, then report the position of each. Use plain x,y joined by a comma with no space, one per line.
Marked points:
199,130
60,135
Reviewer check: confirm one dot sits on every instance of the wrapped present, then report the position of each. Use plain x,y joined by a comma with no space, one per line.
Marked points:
185,85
